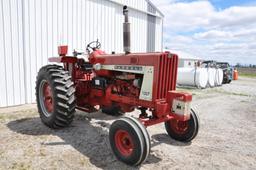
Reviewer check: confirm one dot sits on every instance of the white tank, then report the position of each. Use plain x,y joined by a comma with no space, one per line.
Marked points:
211,76
219,77
192,77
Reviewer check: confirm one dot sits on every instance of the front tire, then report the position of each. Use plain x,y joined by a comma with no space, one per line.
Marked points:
184,131
55,96
129,141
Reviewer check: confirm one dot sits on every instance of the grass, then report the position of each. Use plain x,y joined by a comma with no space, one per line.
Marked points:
247,72
1,153
42,152
250,75
194,90
7,116
1,117
204,92
230,93
83,162
21,166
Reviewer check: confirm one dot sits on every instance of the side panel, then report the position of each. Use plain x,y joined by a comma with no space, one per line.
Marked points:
3,82
11,53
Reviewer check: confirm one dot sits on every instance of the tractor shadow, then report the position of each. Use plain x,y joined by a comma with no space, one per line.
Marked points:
165,138
90,139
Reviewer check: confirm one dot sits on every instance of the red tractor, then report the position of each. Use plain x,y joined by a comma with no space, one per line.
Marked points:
118,83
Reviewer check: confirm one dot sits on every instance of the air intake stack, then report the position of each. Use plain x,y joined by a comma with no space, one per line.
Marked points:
126,33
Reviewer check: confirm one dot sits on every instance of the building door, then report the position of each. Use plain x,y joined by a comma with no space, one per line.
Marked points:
151,33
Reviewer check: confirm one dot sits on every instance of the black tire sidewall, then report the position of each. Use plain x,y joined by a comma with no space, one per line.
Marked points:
44,75
135,134
193,127
197,120
147,144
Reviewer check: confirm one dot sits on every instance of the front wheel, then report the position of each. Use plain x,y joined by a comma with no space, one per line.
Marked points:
183,130
129,141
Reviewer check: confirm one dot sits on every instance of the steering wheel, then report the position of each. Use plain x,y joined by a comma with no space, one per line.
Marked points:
93,46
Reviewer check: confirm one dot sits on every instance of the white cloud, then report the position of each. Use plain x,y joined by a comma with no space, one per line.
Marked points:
160,3
199,28
213,34
185,15
233,16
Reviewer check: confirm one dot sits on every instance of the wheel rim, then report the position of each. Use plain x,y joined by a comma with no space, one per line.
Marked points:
179,127
46,98
124,142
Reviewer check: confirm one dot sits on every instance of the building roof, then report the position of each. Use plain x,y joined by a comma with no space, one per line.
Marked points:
142,9
155,8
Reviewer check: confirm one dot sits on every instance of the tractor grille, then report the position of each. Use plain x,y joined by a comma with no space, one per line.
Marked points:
167,74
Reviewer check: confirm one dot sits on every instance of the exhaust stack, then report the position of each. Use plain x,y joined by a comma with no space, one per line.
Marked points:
126,33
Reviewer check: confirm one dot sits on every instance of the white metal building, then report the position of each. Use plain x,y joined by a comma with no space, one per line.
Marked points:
31,30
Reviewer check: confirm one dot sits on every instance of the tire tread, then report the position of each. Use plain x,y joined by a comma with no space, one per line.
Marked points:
64,96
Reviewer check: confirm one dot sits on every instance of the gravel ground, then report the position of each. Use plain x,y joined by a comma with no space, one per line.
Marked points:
226,139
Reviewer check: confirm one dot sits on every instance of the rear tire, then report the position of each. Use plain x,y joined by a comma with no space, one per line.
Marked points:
129,141
55,96
183,130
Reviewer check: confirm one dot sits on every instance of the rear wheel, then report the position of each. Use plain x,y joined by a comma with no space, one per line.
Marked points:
55,96
129,141
183,130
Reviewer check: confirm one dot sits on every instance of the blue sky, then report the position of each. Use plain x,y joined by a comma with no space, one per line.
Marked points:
222,30
222,4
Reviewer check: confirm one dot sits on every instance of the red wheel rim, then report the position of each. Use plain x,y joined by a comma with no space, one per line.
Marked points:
179,127
124,142
47,97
